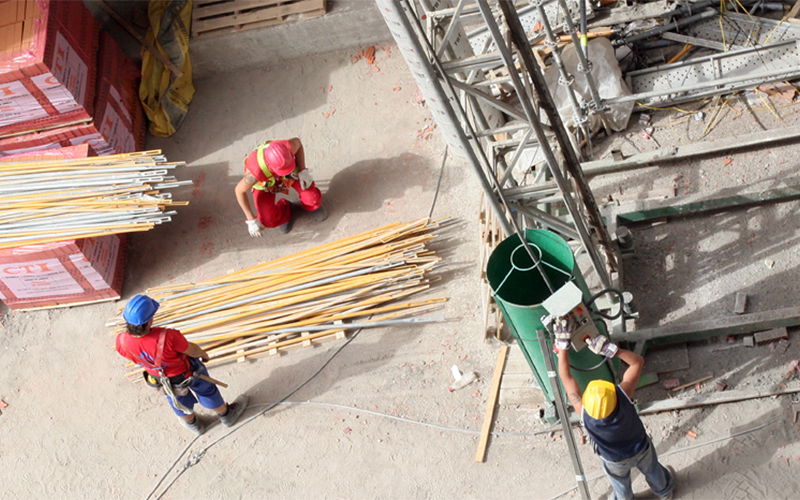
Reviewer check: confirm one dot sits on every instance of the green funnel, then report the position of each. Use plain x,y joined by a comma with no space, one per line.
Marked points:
519,291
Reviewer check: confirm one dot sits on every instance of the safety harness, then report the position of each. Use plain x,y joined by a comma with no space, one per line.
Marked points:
272,179
173,391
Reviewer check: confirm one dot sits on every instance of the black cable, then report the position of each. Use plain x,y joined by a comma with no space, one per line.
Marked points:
438,183
603,292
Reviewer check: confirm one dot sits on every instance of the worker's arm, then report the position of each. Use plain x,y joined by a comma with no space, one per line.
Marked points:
570,384
299,154
631,377
241,189
195,351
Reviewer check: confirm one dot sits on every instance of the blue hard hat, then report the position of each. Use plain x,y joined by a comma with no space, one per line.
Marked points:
139,310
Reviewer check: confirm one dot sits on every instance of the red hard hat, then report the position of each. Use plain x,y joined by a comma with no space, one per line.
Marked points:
279,157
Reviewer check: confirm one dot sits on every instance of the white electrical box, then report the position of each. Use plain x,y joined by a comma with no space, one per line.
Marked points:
567,302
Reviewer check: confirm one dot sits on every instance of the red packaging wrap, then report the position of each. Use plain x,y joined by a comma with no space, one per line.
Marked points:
73,135
48,52
63,273
119,116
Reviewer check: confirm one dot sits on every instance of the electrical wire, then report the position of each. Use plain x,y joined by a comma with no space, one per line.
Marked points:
438,183
195,458
417,422
594,297
676,451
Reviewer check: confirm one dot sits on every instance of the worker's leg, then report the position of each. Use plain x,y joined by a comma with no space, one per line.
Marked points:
188,400
270,213
619,474
207,392
311,198
658,477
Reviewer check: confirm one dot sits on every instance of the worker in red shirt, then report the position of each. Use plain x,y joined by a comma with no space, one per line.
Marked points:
170,359
273,168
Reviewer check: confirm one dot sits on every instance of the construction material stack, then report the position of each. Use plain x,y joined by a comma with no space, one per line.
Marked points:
67,92
363,281
64,217
63,83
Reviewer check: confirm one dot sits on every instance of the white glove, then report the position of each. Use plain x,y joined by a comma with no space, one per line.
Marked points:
601,346
255,227
563,333
305,179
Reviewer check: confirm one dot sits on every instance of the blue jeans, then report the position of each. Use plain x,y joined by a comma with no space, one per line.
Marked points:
206,392
657,476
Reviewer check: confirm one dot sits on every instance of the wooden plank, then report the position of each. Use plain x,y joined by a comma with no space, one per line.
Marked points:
721,146
491,403
270,14
727,325
794,10
711,399
215,9
250,26
693,382
61,306
770,335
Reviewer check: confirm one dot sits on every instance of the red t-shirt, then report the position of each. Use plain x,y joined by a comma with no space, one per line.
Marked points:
145,348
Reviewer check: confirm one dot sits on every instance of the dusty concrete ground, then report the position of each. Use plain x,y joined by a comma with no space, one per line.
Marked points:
378,421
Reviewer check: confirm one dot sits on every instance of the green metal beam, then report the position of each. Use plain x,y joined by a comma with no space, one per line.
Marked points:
718,200
697,330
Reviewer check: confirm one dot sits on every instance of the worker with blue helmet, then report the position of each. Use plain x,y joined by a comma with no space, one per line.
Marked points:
174,363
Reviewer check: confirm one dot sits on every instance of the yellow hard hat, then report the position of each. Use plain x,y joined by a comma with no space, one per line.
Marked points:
600,399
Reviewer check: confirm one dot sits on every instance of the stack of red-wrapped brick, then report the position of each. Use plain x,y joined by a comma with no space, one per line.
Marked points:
63,84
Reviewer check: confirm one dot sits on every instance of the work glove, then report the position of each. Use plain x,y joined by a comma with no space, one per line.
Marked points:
561,329
563,333
305,179
601,346
255,227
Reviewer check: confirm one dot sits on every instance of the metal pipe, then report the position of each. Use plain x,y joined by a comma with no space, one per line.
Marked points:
545,101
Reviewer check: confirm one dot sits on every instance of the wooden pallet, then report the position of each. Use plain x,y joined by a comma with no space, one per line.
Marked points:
490,235
213,17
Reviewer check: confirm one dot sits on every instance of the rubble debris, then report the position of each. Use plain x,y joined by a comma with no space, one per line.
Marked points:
671,384
740,306
721,385
762,338
793,368
691,434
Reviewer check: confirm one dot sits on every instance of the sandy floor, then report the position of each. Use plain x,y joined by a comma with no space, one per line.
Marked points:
378,421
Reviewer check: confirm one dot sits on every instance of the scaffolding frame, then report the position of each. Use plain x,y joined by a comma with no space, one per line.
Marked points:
465,89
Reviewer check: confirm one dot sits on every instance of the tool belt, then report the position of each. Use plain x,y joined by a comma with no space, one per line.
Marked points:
180,383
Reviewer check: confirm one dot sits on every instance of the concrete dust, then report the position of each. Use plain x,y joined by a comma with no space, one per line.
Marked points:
76,428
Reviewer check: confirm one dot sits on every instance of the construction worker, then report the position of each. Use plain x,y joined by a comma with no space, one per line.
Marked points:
175,364
610,419
273,168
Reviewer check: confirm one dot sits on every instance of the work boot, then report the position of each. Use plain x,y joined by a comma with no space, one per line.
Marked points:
234,411
285,227
320,214
196,426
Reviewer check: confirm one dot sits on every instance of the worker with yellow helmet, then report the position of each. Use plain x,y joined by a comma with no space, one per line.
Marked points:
610,419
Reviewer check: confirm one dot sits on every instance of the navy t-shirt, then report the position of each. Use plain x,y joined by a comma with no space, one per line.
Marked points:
620,435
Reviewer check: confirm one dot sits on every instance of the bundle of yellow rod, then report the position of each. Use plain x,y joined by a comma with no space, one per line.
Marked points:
364,281
56,200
